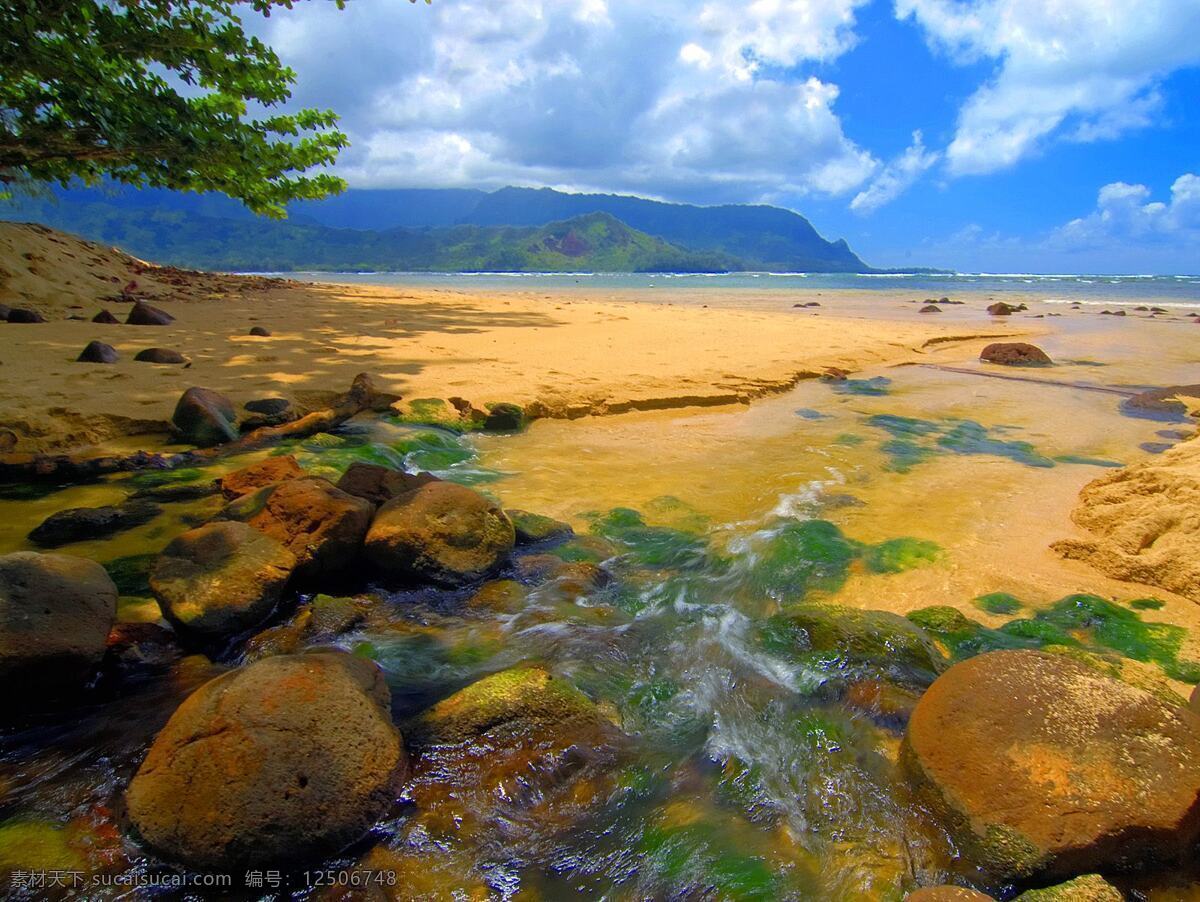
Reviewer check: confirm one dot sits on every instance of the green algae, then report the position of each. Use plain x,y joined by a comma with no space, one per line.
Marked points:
848,439
914,441
702,859
437,412
1088,888
876,387
131,574
649,546
969,437
1084,622
156,478
1147,604
898,555
999,603
27,845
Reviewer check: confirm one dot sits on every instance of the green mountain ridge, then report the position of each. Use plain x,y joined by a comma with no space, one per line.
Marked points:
596,242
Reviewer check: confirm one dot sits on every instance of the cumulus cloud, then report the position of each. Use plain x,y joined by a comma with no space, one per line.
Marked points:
1124,213
1078,70
896,177
701,104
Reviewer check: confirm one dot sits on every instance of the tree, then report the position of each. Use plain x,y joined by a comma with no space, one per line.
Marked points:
161,93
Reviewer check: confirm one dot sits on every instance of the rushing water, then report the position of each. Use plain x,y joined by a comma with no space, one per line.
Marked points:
1183,291
752,772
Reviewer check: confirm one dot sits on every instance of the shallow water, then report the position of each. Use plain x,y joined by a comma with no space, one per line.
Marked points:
751,772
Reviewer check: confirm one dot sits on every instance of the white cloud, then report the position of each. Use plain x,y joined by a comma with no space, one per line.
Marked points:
1125,214
695,103
896,177
1078,70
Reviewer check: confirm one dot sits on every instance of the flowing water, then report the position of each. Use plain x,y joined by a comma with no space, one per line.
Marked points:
752,770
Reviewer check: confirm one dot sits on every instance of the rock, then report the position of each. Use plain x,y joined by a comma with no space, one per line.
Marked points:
519,747
930,308
501,596
287,760
1112,313
268,407
853,643
1089,888
504,417
56,611
204,418
535,529
106,318
380,485
98,352
260,331
139,647
835,374
21,315
5,310
1032,759
159,355
443,533
254,477
947,894
320,621
535,569
321,525
1001,309
172,494
1164,403
1140,522
220,579
142,314
79,523
1014,353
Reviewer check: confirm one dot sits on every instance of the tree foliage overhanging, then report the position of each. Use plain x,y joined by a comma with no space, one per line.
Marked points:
163,93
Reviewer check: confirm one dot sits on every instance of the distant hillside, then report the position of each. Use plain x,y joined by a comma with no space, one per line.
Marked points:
744,237
596,242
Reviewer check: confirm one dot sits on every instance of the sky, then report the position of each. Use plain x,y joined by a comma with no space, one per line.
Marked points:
981,135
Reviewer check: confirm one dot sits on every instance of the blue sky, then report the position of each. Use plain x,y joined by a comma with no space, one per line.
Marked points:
985,135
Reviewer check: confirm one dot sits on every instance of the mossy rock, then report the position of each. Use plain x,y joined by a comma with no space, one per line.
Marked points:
536,529
650,546
131,574
1088,888
960,636
521,701
500,596
803,557
585,550
440,412
999,603
898,555
846,640
504,417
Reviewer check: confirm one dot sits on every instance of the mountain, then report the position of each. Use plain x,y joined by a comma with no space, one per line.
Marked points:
740,237
595,242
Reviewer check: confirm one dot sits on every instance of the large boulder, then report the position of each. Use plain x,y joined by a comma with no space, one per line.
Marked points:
380,485
1014,353
537,529
204,418
1041,767
143,314
56,611
79,523
21,315
220,579
98,352
443,533
287,760
321,525
1088,888
254,477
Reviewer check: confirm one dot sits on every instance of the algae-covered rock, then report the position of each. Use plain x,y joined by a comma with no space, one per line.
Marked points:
56,611
286,760
1088,888
801,557
458,417
846,641
443,533
220,579
650,546
321,525
504,417
503,596
536,529
1032,760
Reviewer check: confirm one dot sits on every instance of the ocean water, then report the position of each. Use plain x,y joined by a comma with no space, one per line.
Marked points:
1181,291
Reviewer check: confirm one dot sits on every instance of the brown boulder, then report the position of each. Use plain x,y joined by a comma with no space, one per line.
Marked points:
204,418
220,579
105,317
142,314
380,485
21,315
289,759
254,477
321,525
260,332
1042,767
1014,353
98,352
159,355
56,611
1001,309
1161,402
442,532
930,308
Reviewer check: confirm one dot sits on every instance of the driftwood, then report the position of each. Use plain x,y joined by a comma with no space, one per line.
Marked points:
362,396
